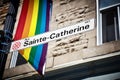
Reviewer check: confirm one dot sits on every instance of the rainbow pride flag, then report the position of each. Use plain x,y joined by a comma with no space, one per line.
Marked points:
34,19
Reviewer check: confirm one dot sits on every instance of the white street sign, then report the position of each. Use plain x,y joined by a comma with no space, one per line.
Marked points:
53,35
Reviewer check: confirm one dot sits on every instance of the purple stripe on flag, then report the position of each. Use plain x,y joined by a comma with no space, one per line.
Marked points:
44,52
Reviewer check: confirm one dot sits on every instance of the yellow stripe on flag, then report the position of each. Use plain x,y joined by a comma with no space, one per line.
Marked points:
32,27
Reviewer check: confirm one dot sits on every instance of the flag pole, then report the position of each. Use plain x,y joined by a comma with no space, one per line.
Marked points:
6,34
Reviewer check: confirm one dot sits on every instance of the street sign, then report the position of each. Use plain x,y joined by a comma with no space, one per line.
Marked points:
53,35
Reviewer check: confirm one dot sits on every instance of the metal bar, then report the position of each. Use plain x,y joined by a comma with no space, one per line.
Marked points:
118,10
115,24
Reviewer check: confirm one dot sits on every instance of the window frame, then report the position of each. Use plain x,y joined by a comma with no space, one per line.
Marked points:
13,59
99,20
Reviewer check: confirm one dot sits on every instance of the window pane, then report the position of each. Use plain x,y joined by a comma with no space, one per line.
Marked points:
105,3
20,60
110,25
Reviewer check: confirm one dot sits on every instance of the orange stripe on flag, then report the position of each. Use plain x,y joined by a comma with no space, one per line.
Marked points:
28,19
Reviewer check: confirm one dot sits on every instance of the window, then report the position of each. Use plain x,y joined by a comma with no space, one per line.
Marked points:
108,16
17,59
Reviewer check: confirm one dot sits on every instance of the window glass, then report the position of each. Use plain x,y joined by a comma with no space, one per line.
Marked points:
110,25
109,21
105,3
20,60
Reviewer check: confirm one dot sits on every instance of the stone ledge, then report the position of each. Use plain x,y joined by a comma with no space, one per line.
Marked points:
80,61
22,69
66,58
106,48
49,62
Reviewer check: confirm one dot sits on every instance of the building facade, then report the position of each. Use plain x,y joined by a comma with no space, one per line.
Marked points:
90,54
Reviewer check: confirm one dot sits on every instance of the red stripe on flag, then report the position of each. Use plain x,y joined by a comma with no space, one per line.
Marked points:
22,19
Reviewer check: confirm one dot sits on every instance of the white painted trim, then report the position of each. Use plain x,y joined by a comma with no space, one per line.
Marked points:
14,59
100,30
99,27
97,9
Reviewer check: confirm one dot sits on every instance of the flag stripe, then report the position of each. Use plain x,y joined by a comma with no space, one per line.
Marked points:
42,29
22,20
43,58
28,19
27,22
32,27
33,50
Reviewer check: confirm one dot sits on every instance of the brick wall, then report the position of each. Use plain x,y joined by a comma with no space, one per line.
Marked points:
4,5
80,46
3,13
65,13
